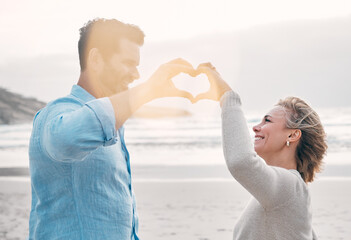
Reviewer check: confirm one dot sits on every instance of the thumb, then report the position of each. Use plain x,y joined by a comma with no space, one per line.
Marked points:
185,94
201,96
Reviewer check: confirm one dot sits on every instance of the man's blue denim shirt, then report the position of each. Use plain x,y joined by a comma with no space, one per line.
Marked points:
80,172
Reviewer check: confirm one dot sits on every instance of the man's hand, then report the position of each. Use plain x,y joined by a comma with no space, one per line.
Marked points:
217,85
160,83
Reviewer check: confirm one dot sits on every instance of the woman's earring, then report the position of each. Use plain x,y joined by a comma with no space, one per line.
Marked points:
287,143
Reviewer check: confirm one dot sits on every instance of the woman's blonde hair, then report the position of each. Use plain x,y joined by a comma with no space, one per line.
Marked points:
312,145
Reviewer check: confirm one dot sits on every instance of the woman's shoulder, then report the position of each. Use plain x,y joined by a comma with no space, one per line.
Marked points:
299,186
289,181
289,188
296,173
288,176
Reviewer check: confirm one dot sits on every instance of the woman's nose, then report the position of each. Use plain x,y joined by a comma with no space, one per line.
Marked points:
256,128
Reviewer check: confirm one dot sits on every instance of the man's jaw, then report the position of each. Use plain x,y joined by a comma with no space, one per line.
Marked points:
125,83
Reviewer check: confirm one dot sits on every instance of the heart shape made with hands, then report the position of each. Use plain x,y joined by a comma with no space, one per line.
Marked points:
194,85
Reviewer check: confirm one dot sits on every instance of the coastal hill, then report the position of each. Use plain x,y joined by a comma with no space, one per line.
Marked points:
15,109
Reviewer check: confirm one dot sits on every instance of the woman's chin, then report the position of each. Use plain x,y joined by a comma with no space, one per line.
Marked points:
257,149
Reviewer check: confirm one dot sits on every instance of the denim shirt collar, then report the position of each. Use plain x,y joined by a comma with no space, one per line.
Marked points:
81,94
85,97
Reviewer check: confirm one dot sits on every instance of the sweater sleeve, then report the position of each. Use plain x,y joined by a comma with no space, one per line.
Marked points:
271,186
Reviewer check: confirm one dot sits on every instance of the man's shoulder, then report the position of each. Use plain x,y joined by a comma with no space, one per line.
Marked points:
60,105
68,101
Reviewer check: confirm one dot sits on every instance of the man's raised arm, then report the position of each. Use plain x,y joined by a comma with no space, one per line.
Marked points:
159,85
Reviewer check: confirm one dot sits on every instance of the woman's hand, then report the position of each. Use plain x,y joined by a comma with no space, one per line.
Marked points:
217,85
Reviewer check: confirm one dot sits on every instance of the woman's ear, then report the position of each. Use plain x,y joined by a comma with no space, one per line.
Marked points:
295,135
95,61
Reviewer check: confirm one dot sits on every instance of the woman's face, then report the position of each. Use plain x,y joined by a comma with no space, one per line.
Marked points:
271,133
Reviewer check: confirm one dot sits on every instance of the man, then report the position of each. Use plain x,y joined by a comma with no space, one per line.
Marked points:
79,163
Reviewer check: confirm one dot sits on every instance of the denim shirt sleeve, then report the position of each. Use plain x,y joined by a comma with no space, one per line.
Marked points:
71,134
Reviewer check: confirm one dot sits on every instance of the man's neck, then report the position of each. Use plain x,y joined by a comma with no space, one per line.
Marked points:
87,82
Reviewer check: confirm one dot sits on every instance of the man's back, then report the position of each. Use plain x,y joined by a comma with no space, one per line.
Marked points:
80,172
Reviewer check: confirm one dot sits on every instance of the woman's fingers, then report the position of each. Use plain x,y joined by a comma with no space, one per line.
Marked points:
217,85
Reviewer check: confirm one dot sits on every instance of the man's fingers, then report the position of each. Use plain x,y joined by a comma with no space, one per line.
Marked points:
181,65
180,61
182,68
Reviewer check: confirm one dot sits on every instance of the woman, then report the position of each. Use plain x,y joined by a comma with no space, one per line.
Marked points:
288,150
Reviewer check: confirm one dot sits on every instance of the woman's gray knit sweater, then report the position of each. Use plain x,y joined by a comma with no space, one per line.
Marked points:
280,207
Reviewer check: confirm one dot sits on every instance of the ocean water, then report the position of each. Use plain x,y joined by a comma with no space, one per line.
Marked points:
188,141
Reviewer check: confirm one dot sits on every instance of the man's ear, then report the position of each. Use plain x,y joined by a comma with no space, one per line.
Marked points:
95,61
295,135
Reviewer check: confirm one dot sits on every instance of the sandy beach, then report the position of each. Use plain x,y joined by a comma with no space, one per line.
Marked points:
183,204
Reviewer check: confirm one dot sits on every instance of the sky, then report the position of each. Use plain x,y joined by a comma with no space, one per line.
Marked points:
32,30
52,26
